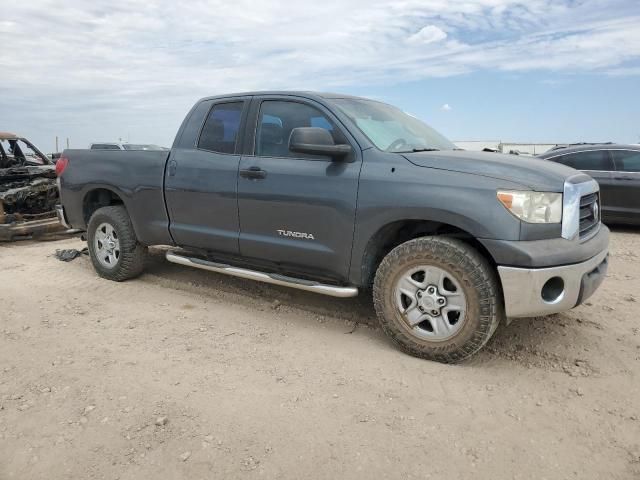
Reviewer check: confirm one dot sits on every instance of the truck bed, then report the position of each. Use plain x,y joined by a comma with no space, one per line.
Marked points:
137,177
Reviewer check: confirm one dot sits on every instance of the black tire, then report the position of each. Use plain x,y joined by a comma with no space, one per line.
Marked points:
131,258
474,274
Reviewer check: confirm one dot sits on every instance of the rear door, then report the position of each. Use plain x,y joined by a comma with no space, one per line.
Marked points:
201,177
297,211
627,182
598,165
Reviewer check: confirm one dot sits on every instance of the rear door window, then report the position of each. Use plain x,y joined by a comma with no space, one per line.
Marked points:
220,131
590,160
627,160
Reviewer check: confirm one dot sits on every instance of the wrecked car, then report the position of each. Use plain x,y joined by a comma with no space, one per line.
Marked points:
28,190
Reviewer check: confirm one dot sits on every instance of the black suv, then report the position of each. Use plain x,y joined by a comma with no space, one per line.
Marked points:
616,168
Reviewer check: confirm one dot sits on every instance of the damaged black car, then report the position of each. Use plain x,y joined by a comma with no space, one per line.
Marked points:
28,190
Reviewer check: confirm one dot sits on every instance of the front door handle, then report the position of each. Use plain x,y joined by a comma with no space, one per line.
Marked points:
255,173
623,178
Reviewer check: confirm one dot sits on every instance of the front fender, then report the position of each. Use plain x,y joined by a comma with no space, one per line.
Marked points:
399,192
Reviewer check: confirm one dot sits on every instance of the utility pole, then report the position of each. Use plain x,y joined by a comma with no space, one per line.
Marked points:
67,142
57,144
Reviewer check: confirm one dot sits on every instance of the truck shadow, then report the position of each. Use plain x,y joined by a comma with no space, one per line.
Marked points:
531,342
257,294
556,343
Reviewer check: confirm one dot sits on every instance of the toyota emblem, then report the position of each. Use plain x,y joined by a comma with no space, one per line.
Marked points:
596,211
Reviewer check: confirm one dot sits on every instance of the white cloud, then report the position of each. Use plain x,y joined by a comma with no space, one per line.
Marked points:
100,65
446,107
425,35
624,72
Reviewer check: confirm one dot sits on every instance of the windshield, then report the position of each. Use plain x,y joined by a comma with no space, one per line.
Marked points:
390,129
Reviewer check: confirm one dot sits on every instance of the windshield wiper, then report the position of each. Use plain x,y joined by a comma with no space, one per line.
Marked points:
419,149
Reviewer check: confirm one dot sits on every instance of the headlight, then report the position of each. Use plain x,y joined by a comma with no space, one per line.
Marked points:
533,207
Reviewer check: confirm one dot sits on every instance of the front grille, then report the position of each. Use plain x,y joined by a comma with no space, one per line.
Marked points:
589,214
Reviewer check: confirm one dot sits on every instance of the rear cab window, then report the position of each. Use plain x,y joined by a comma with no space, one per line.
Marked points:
221,128
104,146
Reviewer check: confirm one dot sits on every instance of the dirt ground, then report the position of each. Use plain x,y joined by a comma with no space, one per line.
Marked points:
189,374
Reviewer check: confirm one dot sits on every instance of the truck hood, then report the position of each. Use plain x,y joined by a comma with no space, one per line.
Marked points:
533,173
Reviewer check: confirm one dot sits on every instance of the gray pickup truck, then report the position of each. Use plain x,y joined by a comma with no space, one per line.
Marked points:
336,194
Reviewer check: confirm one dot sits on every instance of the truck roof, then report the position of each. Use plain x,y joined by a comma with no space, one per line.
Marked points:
296,93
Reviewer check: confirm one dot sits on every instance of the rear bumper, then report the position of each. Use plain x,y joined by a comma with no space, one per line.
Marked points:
62,218
530,292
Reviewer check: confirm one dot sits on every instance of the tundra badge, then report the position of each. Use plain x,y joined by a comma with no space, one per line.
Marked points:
289,233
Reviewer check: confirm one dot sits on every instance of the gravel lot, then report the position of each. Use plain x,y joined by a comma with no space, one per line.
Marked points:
189,374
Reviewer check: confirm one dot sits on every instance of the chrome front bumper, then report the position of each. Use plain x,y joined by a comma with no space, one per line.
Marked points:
523,287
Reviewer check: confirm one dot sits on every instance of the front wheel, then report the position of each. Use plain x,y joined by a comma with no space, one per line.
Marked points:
437,298
113,246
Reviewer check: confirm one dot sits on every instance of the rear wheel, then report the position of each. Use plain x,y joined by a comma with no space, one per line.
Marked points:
113,246
437,298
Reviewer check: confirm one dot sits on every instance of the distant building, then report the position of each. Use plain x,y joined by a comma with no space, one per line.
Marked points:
505,147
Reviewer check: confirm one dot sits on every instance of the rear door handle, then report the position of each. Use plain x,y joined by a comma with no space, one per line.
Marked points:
253,173
172,167
623,178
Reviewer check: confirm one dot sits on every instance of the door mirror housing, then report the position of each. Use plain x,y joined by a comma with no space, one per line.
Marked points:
316,141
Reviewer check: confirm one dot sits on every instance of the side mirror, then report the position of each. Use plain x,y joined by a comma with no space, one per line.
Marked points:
316,141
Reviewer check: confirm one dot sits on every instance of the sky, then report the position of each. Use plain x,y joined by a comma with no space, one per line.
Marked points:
519,71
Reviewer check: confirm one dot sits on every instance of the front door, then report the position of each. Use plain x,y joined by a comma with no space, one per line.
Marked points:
297,211
202,178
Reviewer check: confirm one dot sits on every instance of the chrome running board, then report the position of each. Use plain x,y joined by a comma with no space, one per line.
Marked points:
272,278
